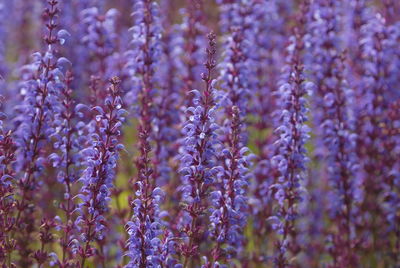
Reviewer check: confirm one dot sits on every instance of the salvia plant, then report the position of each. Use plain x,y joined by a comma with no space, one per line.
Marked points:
199,133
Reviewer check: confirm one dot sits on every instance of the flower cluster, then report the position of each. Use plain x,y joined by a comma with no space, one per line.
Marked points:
198,158
291,158
68,160
40,93
100,163
337,136
266,47
340,141
229,212
145,227
373,102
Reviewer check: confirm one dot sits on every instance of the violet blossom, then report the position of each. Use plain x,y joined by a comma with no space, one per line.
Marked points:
229,212
198,161
100,163
291,158
69,141
144,245
40,92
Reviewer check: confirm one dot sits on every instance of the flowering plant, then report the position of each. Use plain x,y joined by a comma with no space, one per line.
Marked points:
191,133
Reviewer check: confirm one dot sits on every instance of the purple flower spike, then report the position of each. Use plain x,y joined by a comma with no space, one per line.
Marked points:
229,211
99,174
291,159
69,141
342,163
40,92
198,166
145,249
373,98
146,74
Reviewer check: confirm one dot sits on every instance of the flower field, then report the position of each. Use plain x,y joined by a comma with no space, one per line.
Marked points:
200,133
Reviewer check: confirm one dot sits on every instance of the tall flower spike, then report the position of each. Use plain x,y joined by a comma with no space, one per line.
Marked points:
40,101
323,48
190,39
69,141
145,74
334,128
145,249
324,41
146,226
198,170
268,44
372,103
99,174
229,214
291,158
313,209
341,160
